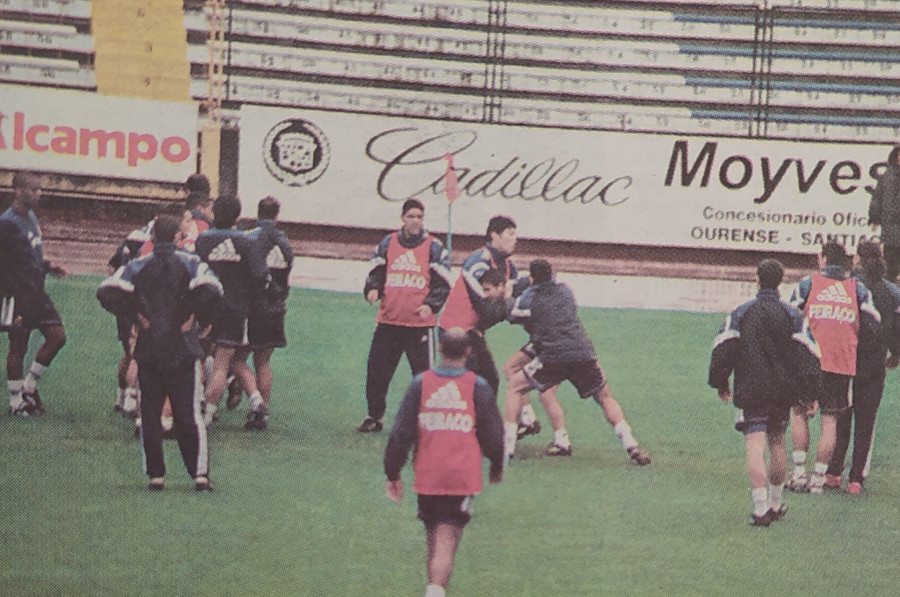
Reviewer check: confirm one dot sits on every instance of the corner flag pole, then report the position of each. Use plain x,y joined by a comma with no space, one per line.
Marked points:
451,188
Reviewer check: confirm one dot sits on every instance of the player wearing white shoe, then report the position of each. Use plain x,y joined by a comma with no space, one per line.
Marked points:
767,344
564,352
449,418
26,303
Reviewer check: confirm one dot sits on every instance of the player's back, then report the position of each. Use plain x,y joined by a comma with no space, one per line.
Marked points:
237,260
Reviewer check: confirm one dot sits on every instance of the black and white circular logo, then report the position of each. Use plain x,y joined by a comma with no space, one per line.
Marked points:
296,152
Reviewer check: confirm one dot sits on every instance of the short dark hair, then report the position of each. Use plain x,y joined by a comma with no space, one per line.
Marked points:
870,259
197,199
197,183
412,204
493,277
174,208
497,225
165,228
541,271
20,178
834,253
268,208
226,211
454,343
770,273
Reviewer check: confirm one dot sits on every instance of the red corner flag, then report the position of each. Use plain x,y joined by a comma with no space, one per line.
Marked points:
451,182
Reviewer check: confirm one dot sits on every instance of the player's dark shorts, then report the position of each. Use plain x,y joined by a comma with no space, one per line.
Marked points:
266,330
586,376
767,419
445,509
230,329
126,334
835,397
36,311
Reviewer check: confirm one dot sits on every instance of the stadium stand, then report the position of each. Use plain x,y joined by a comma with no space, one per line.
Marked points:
733,68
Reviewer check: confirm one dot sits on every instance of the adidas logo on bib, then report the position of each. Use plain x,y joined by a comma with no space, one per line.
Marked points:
406,263
275,259
224,251
834,294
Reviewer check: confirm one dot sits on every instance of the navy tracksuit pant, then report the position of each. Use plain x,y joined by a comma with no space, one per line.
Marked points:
389,343
867,394
178,384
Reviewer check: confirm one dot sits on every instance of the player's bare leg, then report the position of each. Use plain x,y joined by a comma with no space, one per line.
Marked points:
612,410
442,540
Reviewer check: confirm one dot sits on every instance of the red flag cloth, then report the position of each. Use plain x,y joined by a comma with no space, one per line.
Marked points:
451,182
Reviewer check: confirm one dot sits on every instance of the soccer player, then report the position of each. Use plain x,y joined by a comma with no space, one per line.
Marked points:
410,275
165,293
767,344
237,259
22,272
563,352
871,365
837,307
265,328
468,307
449,417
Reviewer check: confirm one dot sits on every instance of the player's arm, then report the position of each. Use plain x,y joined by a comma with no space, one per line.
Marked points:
801,293
489,428
724,356
116,294
806,359
205,293
374,286
405,431
439,284
520,313
489,312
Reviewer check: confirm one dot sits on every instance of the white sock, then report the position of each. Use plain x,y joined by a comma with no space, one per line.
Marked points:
760,500
561,438
167,422
256,400
775,492
435,591
821,468
527,416
799,459
210,413
509,438
15,390
624,432
129,402
34,374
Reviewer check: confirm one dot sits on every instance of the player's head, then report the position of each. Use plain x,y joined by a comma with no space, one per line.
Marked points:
197,183
454,344
540,271
869,258
226,211
413,217
769,272
166,227
833,253
268,208
26,188
894,157
493,282
501,233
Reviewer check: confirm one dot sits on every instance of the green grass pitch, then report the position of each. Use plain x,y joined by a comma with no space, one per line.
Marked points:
300,510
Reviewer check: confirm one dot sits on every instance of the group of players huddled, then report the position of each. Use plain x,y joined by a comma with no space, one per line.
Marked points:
826,350
194,298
